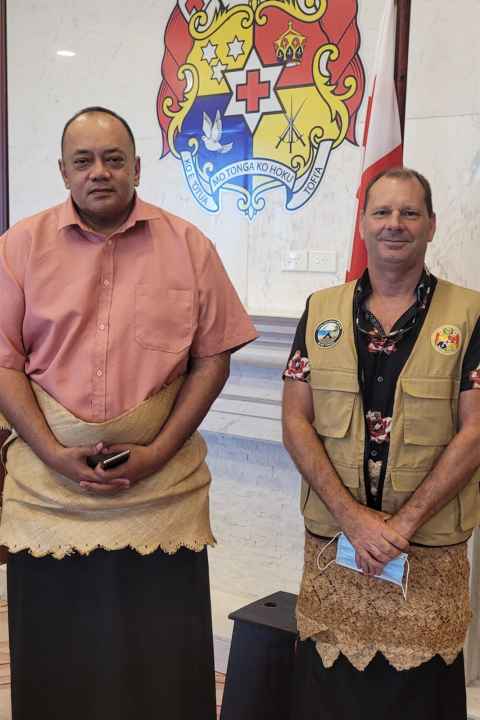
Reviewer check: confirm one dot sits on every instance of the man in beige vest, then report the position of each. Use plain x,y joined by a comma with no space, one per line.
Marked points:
382,418
117,325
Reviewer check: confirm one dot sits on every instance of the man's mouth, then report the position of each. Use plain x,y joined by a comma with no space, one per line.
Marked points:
100,191
395,240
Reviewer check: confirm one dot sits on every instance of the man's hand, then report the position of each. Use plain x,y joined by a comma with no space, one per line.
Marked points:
376,541
143,461
72,463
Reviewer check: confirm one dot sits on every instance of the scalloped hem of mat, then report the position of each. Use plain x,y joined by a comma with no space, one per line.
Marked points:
62,551
360,657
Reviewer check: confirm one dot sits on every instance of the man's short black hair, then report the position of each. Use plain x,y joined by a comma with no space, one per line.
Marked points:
98,109
404,173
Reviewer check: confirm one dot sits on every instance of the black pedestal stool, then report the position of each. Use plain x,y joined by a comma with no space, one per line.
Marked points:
259,680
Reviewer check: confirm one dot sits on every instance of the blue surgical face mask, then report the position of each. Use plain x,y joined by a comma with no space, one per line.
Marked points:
393,571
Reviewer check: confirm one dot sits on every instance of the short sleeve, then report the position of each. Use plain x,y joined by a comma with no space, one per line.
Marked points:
223,323
298,366
471,362
12,304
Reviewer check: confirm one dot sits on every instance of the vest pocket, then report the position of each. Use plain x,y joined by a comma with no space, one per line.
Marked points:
470,504
334,393
462,512
427,408
405,482
311,504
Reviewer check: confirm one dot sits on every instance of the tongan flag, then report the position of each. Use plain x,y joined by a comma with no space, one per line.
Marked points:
382,141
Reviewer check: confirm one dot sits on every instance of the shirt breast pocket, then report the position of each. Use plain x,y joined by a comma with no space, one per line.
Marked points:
163,318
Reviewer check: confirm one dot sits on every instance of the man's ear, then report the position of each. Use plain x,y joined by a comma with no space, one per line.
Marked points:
136,179
61,167
360,224
433,227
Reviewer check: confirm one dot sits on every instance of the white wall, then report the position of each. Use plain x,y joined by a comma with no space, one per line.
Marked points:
443,129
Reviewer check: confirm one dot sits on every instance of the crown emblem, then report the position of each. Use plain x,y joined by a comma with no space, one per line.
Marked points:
289,47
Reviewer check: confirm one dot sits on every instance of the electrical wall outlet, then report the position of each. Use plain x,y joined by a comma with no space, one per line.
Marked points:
295,261
322,261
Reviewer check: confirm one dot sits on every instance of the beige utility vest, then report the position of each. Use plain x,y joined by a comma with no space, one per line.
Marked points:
425,411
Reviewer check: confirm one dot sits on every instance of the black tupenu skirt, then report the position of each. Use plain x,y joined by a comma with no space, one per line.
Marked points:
432,691
111,636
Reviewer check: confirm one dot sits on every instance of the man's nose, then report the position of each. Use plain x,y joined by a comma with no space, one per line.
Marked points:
394,219
99,169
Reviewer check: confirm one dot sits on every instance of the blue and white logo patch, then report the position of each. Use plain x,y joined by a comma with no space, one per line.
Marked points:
328,333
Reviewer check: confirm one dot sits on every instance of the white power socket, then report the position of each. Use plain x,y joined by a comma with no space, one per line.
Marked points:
295,261
322,261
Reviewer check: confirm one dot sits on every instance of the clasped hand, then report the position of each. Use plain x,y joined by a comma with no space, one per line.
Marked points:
375,537
72,462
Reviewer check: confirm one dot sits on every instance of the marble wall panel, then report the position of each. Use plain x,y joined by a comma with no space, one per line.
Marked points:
444,56
447,150
442,135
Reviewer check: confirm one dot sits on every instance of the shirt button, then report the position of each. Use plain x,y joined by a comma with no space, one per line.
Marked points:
99,373
109,242
380,378
101,326
374,453
106,283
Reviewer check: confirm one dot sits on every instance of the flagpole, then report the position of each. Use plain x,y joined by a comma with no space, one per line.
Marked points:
402,40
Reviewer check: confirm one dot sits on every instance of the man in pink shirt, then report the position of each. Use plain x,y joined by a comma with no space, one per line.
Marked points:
117,325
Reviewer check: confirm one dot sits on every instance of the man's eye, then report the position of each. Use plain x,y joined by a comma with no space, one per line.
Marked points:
115,160
410,213
80,162
380,213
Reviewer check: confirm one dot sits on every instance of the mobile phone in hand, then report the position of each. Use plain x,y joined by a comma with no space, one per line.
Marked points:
108,461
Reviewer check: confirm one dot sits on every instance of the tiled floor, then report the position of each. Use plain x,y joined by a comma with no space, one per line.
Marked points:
5,713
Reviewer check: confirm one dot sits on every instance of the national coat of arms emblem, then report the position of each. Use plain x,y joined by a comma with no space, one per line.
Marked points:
256,94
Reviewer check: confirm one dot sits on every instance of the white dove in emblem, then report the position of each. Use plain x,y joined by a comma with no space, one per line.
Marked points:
213,134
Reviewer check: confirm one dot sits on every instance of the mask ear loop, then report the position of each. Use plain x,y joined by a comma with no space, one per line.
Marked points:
404,589
323,550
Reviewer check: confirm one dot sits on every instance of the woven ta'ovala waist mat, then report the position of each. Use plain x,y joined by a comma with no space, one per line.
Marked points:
346,612
47,513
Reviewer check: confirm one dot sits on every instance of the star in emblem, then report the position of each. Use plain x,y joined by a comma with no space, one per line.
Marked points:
253,91
217,71
209,52
235,48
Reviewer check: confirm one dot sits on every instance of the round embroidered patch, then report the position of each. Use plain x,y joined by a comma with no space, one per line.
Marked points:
447,339
328,333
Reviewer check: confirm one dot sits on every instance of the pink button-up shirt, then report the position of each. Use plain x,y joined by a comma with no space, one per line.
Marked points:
102,323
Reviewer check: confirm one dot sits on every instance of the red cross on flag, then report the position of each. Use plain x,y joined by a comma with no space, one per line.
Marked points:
382,140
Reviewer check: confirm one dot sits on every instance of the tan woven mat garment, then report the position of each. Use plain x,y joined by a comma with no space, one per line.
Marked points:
47,513
349,613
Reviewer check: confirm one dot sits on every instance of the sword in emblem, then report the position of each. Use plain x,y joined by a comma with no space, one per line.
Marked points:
291,135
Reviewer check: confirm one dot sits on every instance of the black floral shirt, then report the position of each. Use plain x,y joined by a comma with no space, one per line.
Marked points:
381,360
